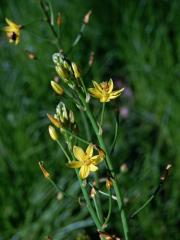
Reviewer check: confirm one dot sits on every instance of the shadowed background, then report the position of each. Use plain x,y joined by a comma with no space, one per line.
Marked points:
137,44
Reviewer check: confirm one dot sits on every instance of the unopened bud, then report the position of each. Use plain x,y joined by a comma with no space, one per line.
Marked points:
57,88
124,168
91,59
86,17
75,70
62,72
53,133
93,192
67,65
71,116
59,20
54,121
100,152
31,55
108,183
44,171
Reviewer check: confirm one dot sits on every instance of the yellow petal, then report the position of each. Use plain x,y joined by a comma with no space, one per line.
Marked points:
97,86
104,98
93,168
12,25
96,159
95,92
117,92
9,22
111,85
84,171
78,153
74,164
89,150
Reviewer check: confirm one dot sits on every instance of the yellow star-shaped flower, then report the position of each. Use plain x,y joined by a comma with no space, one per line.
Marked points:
86,161
12,31
104,91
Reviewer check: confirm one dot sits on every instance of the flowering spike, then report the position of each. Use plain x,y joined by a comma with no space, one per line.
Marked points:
53,133
57,88
44,171
54,121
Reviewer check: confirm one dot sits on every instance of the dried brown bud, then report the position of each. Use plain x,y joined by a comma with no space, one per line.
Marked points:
91,59
108,183
31,55
124,168
44,171
93,192
59,20
86,17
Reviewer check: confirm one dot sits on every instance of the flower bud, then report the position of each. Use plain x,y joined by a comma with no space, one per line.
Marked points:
71,116
54,121
53,133
57,88
75,70
44,171
109,183
86,17
93,192
62,72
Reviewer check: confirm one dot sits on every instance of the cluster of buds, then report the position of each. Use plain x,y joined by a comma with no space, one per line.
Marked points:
67,71
62,119
65,116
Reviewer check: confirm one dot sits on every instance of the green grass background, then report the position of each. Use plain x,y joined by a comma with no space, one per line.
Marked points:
136,42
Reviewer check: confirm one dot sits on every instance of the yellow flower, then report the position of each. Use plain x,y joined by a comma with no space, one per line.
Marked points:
104,91
12,31
86,161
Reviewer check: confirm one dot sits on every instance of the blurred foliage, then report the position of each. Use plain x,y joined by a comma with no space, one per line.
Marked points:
137,43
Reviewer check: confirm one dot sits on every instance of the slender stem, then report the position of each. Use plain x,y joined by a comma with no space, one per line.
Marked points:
79,138
88,134
78,37
61,190
99,205
102,115
142,207
110,167
107,195
156,191
110,208
64,151
97,209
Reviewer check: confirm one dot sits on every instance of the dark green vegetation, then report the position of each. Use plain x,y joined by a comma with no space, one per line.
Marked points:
136,43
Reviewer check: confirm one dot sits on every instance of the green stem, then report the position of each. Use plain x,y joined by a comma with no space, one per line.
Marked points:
110,208
79,138
142,207
64,151
100,211
58,189
102,115
110,167
88,134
